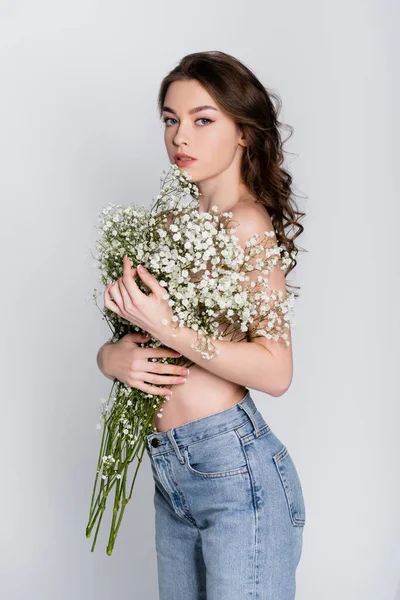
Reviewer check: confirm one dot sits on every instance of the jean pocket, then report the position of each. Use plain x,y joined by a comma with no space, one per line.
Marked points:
220,455
291,485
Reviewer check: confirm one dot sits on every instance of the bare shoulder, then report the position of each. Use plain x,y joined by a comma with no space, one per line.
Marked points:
251,218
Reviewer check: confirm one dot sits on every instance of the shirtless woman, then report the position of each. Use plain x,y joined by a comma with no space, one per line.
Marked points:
217,147
229,509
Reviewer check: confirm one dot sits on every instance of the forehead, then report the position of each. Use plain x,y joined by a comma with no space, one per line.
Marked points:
183,96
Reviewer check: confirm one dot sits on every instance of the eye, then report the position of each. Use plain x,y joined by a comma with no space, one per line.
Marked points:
165,119
205,119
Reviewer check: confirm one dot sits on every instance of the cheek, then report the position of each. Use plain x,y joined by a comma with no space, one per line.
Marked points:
169,139
220,147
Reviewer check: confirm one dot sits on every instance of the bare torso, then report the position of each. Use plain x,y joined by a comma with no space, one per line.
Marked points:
203,394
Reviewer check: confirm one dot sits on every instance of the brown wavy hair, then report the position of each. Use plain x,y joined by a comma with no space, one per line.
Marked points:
242,97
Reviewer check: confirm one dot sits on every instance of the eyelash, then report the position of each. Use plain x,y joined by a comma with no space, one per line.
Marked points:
165,119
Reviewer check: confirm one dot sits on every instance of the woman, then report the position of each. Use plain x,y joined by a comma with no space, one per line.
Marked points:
228,501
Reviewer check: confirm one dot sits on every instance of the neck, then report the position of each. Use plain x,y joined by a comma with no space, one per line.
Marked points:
223,190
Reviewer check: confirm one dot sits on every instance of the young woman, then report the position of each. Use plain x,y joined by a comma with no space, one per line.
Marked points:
228,500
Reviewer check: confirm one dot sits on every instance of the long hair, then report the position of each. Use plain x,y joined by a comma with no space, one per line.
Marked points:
243,98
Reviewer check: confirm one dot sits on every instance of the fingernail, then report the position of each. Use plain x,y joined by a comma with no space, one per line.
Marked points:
141,269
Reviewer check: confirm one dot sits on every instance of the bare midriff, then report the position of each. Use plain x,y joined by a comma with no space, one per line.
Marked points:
203,394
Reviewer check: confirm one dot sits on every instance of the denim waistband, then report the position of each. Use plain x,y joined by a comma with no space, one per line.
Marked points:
219,422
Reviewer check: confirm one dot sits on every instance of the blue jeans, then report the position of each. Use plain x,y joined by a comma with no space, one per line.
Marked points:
229,509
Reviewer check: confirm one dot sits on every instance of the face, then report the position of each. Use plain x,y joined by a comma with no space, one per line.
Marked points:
206,134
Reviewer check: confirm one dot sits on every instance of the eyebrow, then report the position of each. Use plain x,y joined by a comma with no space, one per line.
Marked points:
192,110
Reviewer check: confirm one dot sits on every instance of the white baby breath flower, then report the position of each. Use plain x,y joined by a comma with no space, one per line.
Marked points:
213,284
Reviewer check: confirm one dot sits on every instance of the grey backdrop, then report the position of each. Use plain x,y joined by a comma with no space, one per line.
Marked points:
79,129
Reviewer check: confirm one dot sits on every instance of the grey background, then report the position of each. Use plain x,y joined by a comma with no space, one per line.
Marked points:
79,129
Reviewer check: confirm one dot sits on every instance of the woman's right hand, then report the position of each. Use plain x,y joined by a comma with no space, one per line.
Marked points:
128,362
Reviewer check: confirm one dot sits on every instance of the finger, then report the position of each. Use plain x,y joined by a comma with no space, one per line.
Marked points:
152,390
161,379
158,290
126,299
112,299
166,369
159,353
115,294
129,282
107,297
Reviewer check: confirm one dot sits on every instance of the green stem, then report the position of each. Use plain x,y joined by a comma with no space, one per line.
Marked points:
124,502
115,511
97,470
114,444
97,530
100,502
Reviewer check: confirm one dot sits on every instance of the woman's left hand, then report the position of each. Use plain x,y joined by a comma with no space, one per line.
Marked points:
126,299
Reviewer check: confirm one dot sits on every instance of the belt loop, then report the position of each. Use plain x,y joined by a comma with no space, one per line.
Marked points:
247,410
170,435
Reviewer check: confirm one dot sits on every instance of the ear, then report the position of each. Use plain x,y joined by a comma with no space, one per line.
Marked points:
242,140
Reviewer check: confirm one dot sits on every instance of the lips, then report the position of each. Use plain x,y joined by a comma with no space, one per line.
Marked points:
182,156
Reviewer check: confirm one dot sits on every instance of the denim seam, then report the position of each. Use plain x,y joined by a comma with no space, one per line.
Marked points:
184,518
249,437
171,437
215,474
181,447
246,438
256,533
251,416
288,493
209,437
187,515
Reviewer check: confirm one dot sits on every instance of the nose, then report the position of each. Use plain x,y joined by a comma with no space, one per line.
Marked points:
181,136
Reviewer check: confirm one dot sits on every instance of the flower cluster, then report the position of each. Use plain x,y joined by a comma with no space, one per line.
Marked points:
205,270
214,286
197,258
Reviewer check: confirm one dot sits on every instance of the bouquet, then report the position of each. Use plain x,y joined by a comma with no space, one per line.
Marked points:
196,257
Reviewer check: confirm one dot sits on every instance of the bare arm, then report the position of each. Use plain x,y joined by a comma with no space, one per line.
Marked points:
245,363
100,361
261,364
128,362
